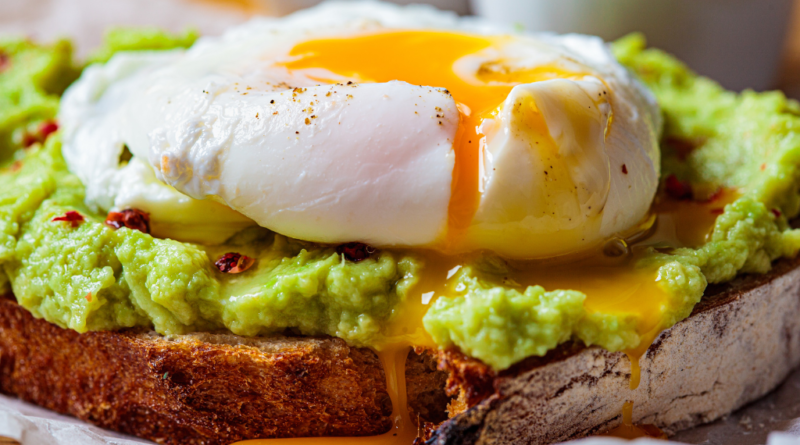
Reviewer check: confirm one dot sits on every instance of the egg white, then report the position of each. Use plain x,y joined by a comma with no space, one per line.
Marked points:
222,140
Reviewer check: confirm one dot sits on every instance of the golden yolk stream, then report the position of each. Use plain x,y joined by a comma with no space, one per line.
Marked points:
427,58
611,284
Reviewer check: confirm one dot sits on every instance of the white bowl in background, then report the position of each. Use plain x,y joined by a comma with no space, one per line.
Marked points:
283,7
736,42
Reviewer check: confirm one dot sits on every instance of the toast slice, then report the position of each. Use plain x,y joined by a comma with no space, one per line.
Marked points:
193,389
740,342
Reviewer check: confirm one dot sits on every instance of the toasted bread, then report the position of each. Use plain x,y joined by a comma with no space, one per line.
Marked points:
194,389
739,343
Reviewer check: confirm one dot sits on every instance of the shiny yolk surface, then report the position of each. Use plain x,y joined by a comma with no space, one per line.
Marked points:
427,58
612,284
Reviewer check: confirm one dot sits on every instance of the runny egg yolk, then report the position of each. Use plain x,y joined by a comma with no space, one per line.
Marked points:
612,285
428,58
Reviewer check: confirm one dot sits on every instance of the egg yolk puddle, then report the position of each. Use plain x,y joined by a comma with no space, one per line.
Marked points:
428,58
627,430
611,282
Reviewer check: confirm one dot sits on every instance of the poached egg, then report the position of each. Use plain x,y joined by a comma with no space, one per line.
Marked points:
396,127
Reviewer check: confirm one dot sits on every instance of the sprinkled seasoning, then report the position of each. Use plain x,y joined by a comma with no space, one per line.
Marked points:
5,61
233,262
677,189
72,217
44,131
133,219
355,252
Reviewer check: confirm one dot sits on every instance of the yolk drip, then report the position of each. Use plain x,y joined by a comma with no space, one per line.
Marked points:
428,58
612,283
627,430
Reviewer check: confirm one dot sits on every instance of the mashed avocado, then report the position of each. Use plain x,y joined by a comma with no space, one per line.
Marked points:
750,141
89,276
92,277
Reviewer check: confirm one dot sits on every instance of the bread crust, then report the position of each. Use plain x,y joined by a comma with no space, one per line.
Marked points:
740,342
197,389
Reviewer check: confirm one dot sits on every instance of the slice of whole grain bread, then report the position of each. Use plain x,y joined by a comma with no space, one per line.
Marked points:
194,389
741,341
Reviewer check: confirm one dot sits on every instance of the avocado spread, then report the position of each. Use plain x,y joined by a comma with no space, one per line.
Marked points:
86,275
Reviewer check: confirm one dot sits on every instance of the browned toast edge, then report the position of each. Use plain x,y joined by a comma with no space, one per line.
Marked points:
195,389
740,342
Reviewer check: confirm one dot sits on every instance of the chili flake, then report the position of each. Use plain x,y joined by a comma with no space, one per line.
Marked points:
714,196
45,129
5,61
133,219
678,189
72,217
682,147
624,169
355,252
233,262
89,297
15,166
777,213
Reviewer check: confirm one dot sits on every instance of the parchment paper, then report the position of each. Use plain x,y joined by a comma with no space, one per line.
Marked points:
774,419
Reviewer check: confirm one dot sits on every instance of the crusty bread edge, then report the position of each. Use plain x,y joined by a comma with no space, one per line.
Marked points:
742,340
739,344
209,389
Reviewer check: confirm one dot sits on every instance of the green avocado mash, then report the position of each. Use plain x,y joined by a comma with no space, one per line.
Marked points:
750,141
92,277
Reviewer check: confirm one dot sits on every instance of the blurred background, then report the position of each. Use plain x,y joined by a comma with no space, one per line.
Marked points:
740,43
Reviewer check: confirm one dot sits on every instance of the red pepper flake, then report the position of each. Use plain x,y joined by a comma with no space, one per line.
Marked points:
233,262
683,147
678,189
29,139
355,252
89,297
777,213
72,217
624,169
763,167
714,196
133,219
718,211
5,61
45,129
